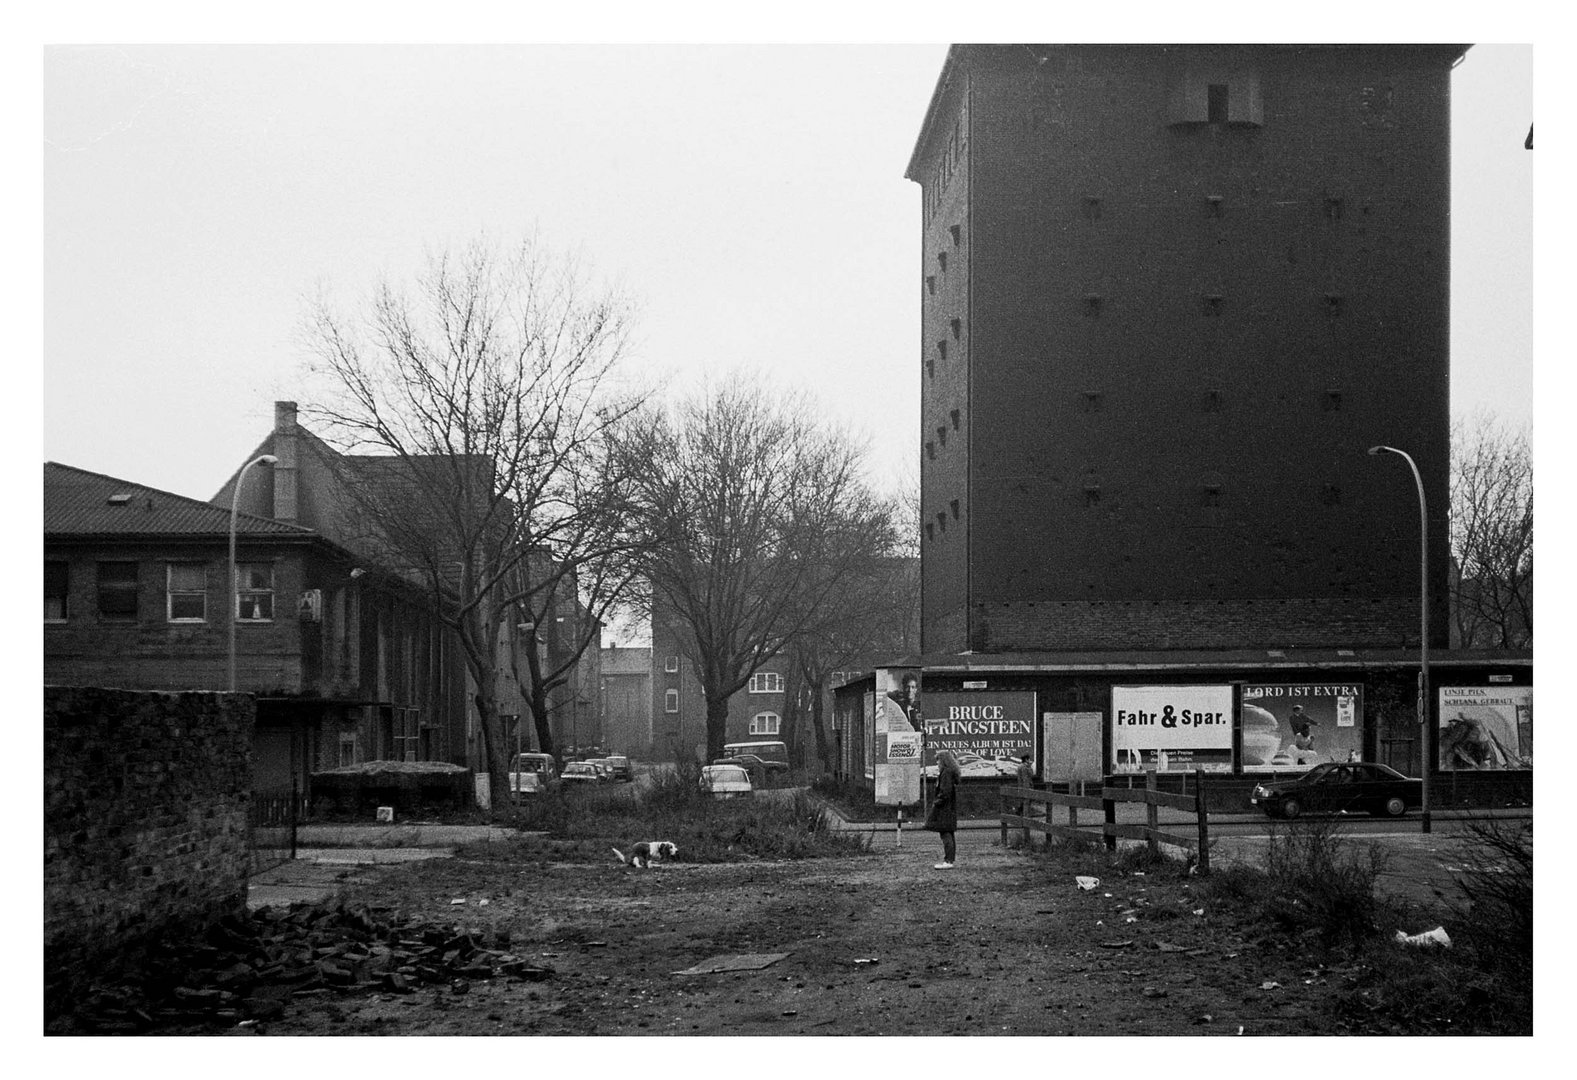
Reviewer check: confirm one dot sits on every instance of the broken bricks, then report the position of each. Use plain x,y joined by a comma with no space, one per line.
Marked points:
250,966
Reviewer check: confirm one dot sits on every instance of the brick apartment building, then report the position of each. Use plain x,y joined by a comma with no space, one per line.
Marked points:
344,657
1170,295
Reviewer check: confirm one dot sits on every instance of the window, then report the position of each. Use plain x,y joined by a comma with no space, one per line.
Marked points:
118,590
670,701
838,678
670,664
1205,94
1216,103
766,682
764,723
347,749
57,584
187,591
254,584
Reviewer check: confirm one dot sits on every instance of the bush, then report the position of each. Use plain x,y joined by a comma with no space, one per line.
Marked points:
671,806
1497,879
1312,882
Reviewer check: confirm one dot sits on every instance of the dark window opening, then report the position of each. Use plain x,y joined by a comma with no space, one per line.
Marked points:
1217,103
118,590
57,584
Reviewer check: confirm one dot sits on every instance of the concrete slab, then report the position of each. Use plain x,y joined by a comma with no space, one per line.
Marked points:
741,962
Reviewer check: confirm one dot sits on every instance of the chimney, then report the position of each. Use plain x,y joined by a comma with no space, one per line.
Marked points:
285,438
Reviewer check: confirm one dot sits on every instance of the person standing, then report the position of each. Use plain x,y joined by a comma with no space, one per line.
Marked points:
943,817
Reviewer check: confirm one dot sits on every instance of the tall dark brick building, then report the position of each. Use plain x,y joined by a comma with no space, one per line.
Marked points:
1170,297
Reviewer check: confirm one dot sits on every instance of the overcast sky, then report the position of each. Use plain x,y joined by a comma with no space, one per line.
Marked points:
751,198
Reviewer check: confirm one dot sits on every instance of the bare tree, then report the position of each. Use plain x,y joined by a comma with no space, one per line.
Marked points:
478,408
878,616
1491,535
760,521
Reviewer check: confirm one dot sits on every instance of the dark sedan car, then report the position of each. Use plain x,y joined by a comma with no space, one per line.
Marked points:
1334,786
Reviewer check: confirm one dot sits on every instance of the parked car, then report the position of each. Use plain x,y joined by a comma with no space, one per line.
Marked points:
623,770
726,781
1335,786
754,767
772,752
581,772
530,774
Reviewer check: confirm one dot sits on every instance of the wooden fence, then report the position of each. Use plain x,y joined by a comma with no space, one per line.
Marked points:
1110,829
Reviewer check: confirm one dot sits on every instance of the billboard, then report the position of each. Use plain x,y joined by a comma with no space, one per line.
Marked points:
987,730
1291,727
1486,727
1171,728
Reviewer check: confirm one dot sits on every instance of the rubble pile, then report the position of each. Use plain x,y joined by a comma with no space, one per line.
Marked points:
249,968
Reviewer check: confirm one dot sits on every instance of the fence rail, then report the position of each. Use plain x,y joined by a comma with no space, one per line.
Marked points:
1018,804
272,822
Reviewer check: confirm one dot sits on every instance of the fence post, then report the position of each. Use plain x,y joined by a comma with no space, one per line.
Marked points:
1002,800
1151,821
1203,814
1109,812
295,802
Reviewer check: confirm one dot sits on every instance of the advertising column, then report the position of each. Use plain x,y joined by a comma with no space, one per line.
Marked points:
895,737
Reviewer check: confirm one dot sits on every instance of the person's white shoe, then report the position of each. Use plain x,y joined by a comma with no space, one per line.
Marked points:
943,866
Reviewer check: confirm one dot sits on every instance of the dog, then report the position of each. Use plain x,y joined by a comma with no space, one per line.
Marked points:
643,855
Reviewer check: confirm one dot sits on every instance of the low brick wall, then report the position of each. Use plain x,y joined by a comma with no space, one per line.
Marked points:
145,824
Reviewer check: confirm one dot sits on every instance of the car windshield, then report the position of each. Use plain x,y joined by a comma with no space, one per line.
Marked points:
1319,772
580,767
726,772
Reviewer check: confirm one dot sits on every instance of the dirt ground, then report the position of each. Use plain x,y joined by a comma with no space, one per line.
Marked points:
881,944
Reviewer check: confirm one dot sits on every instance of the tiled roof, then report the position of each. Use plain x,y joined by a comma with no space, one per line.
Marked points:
81,503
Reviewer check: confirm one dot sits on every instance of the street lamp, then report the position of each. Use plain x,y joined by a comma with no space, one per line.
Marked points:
1423,617
235,594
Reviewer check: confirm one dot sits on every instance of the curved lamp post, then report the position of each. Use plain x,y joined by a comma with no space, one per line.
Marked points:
235,594
1423,618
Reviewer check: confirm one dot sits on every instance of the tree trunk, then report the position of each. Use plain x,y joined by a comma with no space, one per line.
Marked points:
495,755
537,701
819,726
716,725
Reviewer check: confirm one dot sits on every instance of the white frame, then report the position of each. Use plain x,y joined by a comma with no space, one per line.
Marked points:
766,723
240,569
670,701
171,592
762,682
670,664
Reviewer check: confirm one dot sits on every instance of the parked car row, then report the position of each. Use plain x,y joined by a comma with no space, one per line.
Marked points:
533,773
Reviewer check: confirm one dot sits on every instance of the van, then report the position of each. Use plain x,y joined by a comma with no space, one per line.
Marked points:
773,754
531,773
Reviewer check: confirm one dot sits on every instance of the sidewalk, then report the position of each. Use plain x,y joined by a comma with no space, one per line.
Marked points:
327,857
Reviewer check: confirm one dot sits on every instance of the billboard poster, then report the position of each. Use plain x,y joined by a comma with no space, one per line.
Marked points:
1486,727
898,768
1171,728
1292,727
987,731
894,707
